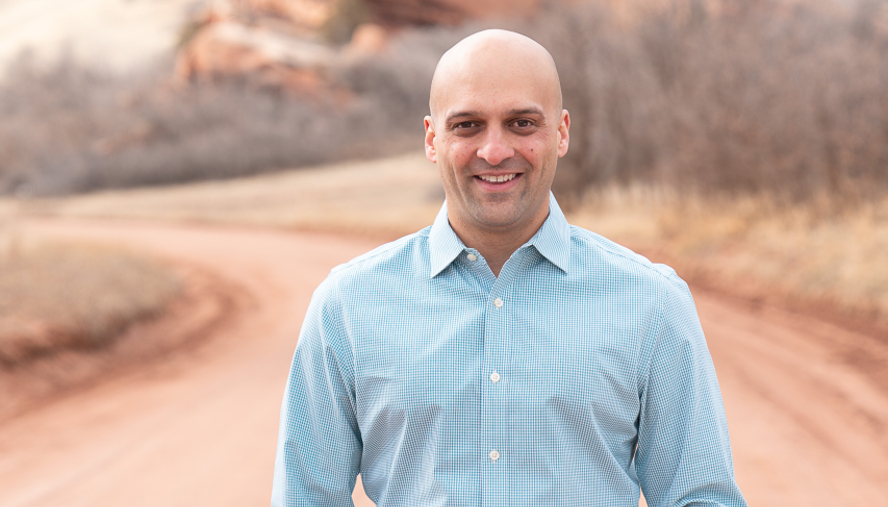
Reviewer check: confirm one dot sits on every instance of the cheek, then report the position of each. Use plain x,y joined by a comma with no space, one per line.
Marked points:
460,153
532,151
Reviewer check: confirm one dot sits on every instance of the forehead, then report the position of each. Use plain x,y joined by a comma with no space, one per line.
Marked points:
487,93
494,79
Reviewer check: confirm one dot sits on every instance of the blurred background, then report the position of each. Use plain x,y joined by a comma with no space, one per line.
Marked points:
743,142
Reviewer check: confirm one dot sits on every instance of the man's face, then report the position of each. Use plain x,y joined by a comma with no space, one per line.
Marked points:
496,133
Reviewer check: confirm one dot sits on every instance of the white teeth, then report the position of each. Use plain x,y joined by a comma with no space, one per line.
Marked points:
497,179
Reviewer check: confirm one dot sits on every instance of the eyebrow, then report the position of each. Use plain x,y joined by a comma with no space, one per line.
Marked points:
528,110
462,114
513,112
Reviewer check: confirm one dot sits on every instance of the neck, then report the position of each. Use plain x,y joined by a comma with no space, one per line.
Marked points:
496,245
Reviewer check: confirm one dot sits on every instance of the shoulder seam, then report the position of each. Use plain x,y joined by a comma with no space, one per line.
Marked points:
649,266
380,250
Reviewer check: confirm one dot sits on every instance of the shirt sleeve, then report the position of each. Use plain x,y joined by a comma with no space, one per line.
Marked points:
319,444
683,457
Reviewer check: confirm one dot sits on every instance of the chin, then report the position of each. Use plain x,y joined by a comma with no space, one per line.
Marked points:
497,220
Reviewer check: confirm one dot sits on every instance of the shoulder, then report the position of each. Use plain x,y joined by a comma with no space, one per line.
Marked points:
602,258
398,259
651,295
372,276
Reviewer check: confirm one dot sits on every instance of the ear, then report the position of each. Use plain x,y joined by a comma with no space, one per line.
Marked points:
563,133
430,151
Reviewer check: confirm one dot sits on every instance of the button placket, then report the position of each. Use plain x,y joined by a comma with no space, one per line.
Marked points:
499,379
495,391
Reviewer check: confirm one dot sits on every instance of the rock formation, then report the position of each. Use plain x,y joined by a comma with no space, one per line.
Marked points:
281,43
397,13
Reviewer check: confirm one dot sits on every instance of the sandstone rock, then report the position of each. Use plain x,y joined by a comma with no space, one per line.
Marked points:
310,13
396,13
232,49
270,42
368,39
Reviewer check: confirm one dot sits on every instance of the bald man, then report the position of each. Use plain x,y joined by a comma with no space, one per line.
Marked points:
502,357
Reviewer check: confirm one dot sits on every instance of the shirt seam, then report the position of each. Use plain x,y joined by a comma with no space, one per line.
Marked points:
376,252
648,266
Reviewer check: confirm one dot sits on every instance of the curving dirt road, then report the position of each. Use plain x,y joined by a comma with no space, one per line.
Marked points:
807,402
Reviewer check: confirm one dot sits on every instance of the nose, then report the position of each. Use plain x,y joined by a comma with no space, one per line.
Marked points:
495,147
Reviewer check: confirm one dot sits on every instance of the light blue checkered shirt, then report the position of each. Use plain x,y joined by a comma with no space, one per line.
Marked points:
576,376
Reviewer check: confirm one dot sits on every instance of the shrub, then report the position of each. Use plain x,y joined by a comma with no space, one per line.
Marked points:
784,99
73,129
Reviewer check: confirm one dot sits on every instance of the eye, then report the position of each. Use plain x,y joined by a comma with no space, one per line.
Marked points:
523,125
465,128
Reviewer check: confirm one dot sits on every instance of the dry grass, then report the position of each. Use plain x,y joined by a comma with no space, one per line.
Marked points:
73,296
385,198
806,256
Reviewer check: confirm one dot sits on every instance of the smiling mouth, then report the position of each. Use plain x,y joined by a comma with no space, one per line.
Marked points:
502,178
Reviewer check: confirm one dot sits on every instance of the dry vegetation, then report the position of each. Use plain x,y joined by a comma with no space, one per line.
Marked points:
383,198
785,99
800,257
73,296
71,129
747,139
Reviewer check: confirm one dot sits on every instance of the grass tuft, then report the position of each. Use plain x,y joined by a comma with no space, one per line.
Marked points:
74,296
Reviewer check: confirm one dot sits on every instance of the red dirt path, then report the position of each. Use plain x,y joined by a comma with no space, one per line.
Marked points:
807,402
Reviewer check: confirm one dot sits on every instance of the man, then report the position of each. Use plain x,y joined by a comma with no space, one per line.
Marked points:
502,357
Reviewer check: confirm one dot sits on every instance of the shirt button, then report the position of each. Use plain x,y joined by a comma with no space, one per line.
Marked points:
494,377
498,303
472,257
494,455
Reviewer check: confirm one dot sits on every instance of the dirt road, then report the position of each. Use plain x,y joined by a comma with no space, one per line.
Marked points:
807,403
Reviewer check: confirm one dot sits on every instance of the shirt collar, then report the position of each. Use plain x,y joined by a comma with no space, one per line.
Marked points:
552,240
444,244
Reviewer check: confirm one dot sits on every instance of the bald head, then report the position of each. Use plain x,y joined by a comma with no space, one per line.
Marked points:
496,132
494,59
